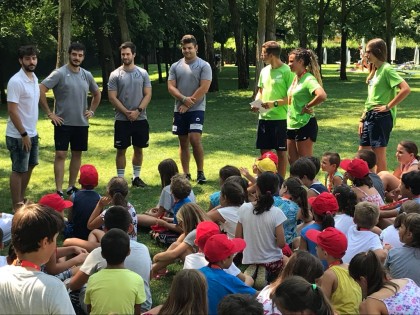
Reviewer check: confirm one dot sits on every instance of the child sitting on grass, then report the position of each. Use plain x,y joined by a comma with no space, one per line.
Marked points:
305,170
115,289
329,164
343,292
347,201
224,173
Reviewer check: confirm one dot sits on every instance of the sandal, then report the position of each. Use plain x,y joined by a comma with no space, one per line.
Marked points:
160,274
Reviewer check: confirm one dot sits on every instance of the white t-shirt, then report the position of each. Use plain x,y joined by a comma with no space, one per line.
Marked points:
343,222
198,260
360,241
390,236
259,234
133,214
138,261
3,261
25,93
6,226
32,292
230,214
167,201
264,298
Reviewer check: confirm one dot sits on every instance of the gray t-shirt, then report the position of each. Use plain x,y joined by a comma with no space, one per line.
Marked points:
404,262
71,91
129,86
188,77
190,239
377,183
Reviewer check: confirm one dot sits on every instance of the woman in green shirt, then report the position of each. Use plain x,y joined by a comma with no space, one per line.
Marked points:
380,111
304,94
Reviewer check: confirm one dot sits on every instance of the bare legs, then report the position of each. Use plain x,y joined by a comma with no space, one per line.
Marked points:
297,149
193,139
59,161
18,184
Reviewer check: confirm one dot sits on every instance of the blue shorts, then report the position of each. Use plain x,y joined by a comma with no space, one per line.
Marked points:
188,122
376,129
271,134
309,131
22,160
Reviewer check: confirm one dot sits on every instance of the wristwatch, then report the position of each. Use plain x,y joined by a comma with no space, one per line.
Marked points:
140,109
275,103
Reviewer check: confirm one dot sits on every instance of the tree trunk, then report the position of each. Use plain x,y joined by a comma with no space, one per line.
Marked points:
122,20
243,81
209,39
270,26
64,31
303,38
159,64
260,41
344,32
388,21
322,9
3,97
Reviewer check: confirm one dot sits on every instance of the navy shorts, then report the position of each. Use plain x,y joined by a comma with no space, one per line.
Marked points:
188,122
309,131
271,134
127,133
76,136
376,129
22,160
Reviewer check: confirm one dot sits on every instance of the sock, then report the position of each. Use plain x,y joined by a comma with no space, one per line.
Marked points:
136,171
120,172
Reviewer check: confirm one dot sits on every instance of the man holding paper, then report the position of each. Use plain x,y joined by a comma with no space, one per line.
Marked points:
271,102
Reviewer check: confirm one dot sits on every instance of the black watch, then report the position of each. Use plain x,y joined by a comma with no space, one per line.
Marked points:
275,103
23,134
140,109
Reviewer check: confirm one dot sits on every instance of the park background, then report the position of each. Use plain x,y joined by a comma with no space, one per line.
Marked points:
234,30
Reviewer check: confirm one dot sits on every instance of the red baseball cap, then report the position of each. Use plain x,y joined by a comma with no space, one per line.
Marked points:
333,241
219,247
56,202
271,155
323,203
357,168
204,231
88,175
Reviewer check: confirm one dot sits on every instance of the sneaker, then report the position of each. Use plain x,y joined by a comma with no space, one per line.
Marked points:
188,176
261,278
201,179
60,193
71,190
137,182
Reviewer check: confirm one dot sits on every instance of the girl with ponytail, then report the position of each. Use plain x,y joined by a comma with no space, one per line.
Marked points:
304,94
260,224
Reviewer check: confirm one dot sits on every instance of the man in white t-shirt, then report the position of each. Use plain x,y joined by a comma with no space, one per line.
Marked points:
138,261
21,134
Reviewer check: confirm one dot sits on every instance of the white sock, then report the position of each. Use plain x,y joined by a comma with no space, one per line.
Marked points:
120,172
136,171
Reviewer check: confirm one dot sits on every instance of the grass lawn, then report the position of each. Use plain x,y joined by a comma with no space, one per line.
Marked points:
228,138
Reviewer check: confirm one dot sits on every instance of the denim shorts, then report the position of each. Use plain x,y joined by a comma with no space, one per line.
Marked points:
21,159
376,129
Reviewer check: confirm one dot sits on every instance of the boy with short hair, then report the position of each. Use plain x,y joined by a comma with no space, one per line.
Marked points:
24,288
344,293
305,169
330,162
219,252
360,237
239,304
102,296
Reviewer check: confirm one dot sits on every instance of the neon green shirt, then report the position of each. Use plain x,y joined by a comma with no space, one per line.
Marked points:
382,88
301,93
274,84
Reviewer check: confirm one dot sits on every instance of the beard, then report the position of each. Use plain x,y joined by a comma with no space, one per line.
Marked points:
127,62
74,64
29,68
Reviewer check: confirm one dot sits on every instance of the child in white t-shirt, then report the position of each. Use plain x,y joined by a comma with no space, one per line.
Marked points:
347,200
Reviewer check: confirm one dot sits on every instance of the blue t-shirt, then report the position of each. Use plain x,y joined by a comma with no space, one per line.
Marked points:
178,205
318,188
220,284
290,209
84,202
311,245
215,199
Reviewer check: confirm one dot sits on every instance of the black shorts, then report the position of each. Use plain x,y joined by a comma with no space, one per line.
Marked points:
376,129
127,133
188,122
271,134
76,136
309,131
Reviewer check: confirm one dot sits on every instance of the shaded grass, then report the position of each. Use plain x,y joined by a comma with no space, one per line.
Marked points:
228,138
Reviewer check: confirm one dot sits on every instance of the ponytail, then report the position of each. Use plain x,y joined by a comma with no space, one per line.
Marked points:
117,189
327,220
268,184
310,60
298,194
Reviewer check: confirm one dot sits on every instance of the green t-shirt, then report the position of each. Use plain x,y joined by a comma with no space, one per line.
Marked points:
301,93
382,88
274,84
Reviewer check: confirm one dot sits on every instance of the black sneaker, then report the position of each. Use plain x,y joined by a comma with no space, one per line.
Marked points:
137,182
60,193
71,190
201,179
188,176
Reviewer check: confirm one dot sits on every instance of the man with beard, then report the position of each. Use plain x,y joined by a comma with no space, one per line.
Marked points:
130,91
21,134
71,85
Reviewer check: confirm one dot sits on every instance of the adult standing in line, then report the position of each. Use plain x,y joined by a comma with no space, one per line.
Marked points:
130,91
275,79
305,93
188,82
21,134
380,111
71,85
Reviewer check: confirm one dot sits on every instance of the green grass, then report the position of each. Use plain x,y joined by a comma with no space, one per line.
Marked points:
228,138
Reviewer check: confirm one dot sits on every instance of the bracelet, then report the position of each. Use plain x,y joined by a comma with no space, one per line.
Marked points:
183,99
361,120
387,107
307,107
92,112
49,114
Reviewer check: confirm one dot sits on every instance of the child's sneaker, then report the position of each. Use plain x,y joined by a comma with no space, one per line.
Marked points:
201,179
60,193
71,190
137,182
